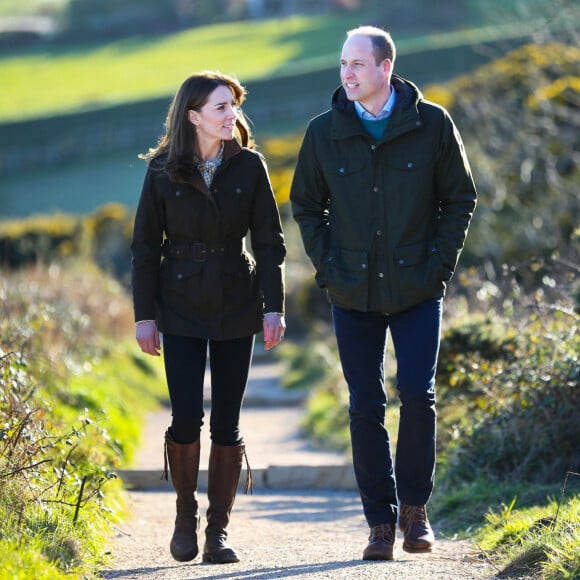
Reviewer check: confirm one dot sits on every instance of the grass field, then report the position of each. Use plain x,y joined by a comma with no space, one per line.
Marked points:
38,83
17,8
64,79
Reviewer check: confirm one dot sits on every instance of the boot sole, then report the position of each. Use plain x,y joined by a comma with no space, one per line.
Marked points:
208,558
412,550
184,557
385,557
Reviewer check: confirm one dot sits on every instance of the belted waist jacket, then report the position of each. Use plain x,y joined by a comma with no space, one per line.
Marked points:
383,222
191,270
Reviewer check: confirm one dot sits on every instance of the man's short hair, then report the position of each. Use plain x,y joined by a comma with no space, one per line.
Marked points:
383,45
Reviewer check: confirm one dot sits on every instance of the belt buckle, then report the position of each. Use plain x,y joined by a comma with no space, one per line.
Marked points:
199,252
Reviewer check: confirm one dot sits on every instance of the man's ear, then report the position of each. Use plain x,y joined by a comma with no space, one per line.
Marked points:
388,66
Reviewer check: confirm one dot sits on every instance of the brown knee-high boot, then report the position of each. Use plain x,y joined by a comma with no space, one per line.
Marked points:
184,467
225,465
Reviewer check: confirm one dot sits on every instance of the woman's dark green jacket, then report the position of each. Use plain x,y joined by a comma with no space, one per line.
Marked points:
383,221
191,270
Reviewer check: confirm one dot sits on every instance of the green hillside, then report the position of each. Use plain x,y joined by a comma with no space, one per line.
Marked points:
60,80
56,80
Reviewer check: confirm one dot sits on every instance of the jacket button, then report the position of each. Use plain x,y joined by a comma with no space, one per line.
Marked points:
363,266
179,276
410,164
401,262
238,190
375,189
379,233
341,170
178,193
373,146
381,275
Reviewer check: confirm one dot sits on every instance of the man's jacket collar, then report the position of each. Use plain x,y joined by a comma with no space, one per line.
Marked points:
405,116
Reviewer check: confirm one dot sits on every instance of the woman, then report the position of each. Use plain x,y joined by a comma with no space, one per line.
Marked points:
194,282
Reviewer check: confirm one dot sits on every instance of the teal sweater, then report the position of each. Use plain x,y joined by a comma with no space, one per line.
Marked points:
375,128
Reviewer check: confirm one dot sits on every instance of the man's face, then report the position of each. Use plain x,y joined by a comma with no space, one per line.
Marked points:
362,79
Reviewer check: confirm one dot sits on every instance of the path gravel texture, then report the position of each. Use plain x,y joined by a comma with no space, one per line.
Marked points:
279,533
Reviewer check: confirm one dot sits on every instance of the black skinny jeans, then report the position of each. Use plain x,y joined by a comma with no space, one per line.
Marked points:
185,361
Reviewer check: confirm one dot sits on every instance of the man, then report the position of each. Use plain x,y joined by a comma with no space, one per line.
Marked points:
383,195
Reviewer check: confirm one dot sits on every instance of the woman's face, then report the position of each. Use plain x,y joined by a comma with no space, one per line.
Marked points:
216,120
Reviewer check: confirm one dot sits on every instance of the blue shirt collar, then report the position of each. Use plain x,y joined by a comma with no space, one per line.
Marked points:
383,114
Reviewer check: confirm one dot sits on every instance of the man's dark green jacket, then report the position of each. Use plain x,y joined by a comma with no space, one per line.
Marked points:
383,221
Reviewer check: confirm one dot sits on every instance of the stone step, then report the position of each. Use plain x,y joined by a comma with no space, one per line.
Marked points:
274,477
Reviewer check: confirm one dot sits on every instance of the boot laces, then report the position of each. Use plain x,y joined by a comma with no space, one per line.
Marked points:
383,532
165,474
413,514
249,487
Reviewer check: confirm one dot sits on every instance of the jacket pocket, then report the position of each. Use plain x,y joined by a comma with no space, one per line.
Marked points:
351,165
411,175
410,162
347,276
419,273
174,271
181,285
344,175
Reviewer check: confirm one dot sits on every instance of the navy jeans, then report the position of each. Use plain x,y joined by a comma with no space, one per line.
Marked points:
361,339
185,360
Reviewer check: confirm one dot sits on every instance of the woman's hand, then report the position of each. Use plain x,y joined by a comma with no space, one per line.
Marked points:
148,337
274,327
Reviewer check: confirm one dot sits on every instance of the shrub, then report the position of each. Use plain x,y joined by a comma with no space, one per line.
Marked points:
72,397
508,387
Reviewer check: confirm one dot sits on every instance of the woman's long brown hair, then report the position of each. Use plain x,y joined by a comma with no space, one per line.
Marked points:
178,141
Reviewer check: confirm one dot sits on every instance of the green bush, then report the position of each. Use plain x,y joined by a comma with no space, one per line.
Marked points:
102,237
73,396
517,116
521,423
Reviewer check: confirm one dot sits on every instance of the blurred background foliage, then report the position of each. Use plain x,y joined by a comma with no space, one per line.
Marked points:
508,376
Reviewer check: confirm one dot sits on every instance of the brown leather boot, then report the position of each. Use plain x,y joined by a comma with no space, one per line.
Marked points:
381,543
416,529
225,465
184,468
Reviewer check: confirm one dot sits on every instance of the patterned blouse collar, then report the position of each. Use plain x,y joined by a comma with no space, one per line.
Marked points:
209,167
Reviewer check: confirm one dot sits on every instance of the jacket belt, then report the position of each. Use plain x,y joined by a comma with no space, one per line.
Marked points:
201,251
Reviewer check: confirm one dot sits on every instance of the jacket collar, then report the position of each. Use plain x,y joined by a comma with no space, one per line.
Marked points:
194,178
405,116
231,149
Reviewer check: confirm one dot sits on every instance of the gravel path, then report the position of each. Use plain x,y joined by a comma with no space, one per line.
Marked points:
280,535
298,534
